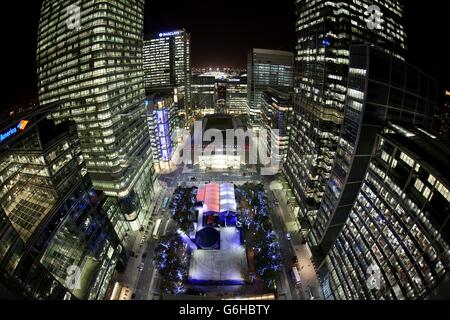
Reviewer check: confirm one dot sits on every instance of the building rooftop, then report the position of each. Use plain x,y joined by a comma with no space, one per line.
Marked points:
274,52
217,121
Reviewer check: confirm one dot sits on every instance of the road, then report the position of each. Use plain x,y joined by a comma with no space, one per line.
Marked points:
288,223
286,287
144,283
147,283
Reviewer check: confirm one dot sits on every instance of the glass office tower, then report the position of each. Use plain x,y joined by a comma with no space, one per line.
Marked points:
236,95
167,74
386,207
399,224
92,63
203,92
162,122
266,68
381,89
51,219
325,30
167,64
167,60
277,109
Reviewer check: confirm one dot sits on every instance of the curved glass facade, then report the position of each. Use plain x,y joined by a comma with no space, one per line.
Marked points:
380,209
399,223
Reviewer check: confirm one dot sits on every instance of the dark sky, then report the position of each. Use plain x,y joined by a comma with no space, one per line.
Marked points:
222,32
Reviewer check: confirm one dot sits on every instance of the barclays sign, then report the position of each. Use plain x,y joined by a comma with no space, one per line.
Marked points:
170,34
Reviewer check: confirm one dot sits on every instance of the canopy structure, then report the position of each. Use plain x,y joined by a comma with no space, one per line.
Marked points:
227,198
212,197
201,193
217,198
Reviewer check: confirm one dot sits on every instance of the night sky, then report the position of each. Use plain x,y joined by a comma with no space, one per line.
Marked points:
222,33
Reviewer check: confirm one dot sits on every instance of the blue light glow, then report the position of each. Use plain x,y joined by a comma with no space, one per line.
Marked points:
170,34
326,42
8,134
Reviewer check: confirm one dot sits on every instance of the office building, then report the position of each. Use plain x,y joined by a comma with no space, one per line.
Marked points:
236,95
163,120
267,68
398,228
325,30
167,76
52,221
167,62
277,108
94,67
381,89
203,92
380,210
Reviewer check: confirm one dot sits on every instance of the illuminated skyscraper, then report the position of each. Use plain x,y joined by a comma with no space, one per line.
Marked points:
203,92
236,96
167,62
276,117
162,122
52,222
385,209
89,58
395,244
167,74
267,68
325,30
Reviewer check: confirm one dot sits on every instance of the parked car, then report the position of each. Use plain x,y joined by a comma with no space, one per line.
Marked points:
289,237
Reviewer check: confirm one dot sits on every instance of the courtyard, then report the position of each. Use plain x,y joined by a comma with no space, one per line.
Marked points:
228,239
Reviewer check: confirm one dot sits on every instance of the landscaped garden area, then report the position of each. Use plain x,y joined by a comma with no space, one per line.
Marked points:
261,240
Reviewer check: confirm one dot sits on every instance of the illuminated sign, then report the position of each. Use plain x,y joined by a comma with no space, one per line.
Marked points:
13,131
163,134
170,34
326,42
22,125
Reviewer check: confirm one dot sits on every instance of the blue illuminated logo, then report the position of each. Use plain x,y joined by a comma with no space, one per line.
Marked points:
13,131
326,42
8,134
169,34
